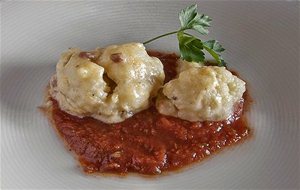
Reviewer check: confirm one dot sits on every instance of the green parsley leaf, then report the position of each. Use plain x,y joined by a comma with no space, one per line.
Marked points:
187,16
190,48
214,48
190,19
201,24
214,45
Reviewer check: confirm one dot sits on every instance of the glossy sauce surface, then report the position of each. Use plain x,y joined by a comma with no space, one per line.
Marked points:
148,142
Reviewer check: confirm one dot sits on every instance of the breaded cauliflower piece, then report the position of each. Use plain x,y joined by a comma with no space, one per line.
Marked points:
205,93
109,84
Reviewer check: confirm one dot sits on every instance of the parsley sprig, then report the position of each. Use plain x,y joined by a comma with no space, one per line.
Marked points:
191,48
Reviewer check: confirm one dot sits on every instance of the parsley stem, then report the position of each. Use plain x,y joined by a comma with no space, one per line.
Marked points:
187,34
170,33
167,34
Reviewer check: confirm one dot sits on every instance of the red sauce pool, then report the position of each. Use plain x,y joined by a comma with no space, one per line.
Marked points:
147,143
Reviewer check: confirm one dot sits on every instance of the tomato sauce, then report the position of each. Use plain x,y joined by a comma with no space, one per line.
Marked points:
148,143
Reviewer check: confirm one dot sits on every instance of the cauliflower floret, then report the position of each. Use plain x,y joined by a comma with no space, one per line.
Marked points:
108,84
78,85
201,94
137,75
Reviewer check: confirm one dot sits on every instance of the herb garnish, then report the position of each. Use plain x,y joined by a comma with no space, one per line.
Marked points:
191,48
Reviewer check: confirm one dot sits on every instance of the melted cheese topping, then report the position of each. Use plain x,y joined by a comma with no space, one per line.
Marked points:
114,83
108,84
201,93
183,65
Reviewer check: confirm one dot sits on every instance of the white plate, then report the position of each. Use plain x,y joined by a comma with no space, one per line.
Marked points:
261,41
